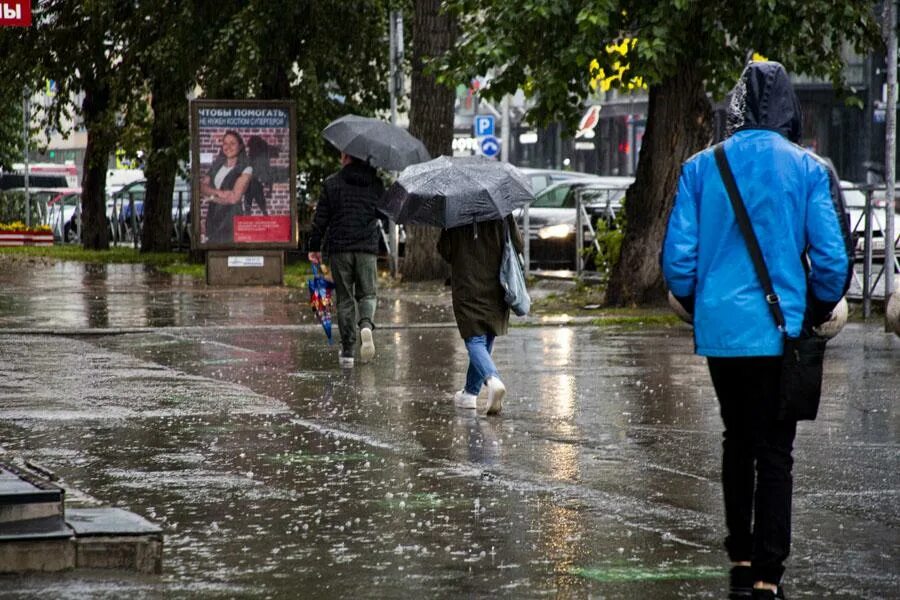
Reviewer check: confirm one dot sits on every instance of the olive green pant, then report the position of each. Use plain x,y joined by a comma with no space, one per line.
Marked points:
354,275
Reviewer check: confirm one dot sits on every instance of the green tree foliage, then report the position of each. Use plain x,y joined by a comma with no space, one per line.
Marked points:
77,45
169,43
11,145
132,64
330,58
682,50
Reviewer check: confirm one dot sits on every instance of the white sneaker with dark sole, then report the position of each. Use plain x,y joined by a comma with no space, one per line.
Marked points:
465,400
496,392
367,348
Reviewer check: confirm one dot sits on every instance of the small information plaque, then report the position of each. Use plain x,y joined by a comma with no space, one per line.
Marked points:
245,261
230,267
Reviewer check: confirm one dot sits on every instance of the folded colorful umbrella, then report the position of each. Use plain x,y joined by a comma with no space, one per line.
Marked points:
320,299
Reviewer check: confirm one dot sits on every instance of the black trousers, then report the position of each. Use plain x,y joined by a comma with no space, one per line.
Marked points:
756,463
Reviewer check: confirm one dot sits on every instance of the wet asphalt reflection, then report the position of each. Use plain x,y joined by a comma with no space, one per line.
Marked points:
277,474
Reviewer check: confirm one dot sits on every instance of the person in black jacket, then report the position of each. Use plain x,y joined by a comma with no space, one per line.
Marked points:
346,216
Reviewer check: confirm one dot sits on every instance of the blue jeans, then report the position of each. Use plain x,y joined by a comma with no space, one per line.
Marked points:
481,365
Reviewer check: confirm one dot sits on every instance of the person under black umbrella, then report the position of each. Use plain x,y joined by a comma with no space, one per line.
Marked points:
471,199
346,215
474,253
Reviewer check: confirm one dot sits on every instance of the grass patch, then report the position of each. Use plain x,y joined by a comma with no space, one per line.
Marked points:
116,255
650,317
572,301
187,269
585,302
296,274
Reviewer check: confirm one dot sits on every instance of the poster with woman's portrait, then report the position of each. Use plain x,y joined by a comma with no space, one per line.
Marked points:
242,168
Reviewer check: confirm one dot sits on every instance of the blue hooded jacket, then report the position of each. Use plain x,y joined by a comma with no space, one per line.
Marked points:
796,209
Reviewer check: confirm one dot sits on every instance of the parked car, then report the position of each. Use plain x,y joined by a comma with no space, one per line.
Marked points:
62,215
552,217
116,179
131,199
543,178
118,213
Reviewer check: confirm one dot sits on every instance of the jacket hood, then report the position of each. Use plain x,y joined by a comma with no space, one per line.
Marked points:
358,174
764,99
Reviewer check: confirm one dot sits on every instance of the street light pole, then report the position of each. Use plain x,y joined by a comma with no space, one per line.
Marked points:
396,89
25,135
890,150
504,129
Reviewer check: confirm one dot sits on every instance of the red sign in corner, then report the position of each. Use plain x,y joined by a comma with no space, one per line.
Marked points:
15,13
249,229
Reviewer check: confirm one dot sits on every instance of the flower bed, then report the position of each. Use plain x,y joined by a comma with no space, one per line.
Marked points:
18,234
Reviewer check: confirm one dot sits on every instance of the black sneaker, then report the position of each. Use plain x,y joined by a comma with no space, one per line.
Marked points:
740,583
345,358
768,594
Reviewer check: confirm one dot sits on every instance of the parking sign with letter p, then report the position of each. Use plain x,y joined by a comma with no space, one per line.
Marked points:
484,125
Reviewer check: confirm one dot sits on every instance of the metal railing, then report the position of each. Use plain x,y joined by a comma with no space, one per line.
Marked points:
868,226
868,247
125,226
584,226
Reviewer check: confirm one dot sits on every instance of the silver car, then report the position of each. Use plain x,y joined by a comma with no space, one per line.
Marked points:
855,199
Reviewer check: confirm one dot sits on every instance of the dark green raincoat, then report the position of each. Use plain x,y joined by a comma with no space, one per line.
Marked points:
474,253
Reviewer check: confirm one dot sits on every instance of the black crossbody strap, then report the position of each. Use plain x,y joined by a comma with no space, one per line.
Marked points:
743,221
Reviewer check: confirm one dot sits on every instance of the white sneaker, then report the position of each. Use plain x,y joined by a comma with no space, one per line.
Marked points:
495,392
367,349
463,399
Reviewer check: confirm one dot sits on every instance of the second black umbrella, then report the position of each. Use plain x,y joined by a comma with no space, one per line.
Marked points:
378,142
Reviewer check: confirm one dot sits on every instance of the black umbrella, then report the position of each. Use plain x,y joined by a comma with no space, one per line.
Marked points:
380,143
448,192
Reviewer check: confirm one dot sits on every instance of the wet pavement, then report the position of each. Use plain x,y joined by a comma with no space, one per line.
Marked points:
222,415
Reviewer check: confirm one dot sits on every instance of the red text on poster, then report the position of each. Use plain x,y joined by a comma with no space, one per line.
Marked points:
15,13
249,229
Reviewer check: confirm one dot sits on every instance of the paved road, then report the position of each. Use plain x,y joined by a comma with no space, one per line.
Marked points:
225,418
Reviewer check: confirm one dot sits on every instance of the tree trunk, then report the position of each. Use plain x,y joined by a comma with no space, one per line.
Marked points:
431,120
100,144
678,125
168,125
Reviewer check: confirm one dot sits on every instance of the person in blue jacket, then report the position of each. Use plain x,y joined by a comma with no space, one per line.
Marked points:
796,209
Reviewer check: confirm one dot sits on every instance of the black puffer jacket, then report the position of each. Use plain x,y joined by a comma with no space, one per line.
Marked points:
346,216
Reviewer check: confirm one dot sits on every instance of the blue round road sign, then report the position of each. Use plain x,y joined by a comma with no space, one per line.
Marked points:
490,146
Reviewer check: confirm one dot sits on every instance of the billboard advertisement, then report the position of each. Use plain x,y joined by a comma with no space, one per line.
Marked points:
242,170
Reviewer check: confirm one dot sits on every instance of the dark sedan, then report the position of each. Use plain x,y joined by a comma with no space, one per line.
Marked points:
552,218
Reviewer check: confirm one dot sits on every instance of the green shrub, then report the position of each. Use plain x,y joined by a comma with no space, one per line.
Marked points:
12,206
609,238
